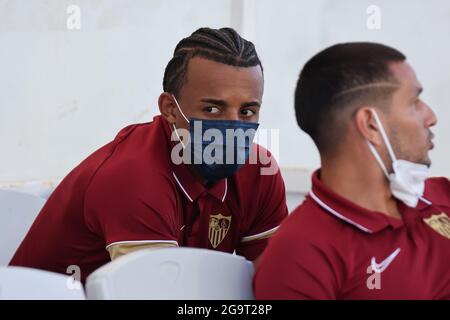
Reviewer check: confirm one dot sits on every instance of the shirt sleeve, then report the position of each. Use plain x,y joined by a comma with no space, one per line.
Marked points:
126,208
294,269
270,212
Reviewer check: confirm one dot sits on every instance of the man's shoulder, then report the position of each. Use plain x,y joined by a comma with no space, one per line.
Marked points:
138,150
262,156
131,177
261,162
310,223
130,160
437,190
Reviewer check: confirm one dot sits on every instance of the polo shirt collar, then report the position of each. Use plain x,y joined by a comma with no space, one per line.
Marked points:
190,185
192,188
343,209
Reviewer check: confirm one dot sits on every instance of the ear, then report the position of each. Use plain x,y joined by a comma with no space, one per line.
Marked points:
367,126
167,107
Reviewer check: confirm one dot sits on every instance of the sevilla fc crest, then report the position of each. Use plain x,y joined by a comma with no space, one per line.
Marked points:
218,228
440,223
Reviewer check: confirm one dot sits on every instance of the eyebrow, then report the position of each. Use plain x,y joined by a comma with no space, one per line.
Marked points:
217,102
251,104
222,103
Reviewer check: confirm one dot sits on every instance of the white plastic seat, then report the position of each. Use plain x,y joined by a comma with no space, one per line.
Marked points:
173,273
17,213
17,283
40,188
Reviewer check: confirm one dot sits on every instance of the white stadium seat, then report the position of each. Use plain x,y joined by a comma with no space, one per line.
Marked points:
40,188
173,273
17,213
17,283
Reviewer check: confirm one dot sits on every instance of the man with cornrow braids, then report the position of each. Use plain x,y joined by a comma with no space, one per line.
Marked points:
158,184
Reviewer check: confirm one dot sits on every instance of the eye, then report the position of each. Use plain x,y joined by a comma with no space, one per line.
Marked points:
213,110
248,112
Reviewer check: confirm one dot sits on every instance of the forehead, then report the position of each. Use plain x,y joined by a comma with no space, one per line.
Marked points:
406,76
214,78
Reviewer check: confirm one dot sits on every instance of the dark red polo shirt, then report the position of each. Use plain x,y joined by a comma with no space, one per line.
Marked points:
329,247
129,191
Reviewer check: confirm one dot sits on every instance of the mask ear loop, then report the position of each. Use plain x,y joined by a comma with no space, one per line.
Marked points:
390,151
384,136
179,108
388,145
178,136
185,118
377,157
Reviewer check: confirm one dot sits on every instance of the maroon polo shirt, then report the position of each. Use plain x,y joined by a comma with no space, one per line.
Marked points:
129,191
331,248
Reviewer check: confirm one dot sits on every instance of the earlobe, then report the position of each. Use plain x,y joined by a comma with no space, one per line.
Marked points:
166,107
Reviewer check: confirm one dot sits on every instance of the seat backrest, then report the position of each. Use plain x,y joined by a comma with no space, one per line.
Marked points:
17,283
40,188
17,213
173,273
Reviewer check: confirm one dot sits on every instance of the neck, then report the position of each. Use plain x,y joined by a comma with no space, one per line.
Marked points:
361,182
198,176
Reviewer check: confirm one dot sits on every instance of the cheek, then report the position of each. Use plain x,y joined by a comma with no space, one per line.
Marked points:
414,124
182,124
415,140
415,134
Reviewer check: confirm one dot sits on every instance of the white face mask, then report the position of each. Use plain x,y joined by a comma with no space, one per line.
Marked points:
407,182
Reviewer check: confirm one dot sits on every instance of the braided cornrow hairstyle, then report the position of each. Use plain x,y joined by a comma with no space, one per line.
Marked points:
220,45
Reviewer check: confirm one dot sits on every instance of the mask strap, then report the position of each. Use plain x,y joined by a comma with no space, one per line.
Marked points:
179,108
378,158
178,136
428,202
384,136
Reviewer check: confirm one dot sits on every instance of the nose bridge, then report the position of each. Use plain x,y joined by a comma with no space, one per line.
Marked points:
235,115
233,112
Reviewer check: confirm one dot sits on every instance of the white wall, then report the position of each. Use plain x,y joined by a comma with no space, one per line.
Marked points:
64,93
290,32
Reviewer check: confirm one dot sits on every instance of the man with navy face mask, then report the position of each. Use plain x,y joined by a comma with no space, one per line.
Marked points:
188,178
229,143
374,226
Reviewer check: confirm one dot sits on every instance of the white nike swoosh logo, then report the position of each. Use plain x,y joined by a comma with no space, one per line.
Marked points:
380,267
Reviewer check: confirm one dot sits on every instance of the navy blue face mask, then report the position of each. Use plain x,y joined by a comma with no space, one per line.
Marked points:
218,148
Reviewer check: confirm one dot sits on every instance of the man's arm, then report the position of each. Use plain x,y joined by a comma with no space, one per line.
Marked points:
134,214
272,210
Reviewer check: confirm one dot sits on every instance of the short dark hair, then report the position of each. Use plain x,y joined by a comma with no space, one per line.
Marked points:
220,45
324,94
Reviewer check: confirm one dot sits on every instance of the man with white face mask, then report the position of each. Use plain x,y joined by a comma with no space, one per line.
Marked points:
373,225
